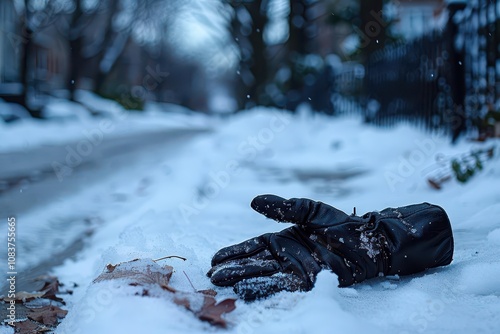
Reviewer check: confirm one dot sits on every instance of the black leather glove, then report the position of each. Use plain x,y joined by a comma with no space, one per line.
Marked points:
400,241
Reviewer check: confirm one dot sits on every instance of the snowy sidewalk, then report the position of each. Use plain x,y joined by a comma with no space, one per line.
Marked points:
202,204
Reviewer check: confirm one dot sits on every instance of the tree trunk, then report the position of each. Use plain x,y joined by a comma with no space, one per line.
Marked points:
259,62
254,66
76,61
297,47
26,49
76,45
372,35
372,29
100,74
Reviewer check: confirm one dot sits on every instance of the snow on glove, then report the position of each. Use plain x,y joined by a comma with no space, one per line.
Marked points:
400,241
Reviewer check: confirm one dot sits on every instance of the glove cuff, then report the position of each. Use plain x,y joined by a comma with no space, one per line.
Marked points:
418,236
395,241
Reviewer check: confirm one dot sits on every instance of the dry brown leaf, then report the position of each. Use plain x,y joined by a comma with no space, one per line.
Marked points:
23,296
208,292
210,311
30,327
110,268
147,272
183,302
213,312
168,288
47,315
434,184
138,273
40,317
48,291
50,288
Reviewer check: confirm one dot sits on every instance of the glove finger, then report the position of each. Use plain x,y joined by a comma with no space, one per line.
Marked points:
263,255
261,287
244,249
300,211
229,273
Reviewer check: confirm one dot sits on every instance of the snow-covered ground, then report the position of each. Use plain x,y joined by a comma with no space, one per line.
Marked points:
197,201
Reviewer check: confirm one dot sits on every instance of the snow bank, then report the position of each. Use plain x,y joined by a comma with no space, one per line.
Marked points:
494,236
60,109
71,122
481,279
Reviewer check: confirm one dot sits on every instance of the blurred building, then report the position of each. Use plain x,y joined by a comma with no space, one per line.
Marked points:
49,61
10,44
413,18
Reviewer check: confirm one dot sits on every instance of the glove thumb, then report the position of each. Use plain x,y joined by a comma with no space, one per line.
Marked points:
300,211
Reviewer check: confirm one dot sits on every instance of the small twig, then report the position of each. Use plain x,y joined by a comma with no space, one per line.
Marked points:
194,289
169,257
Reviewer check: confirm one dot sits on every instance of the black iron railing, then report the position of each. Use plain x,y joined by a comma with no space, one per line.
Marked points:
447,79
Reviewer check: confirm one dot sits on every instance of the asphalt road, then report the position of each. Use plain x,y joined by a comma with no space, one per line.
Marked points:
28,178
28,181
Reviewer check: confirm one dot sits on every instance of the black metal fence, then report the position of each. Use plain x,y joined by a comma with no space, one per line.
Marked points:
479,36
447,79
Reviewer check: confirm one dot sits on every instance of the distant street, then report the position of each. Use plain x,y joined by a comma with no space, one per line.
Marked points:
29,182
28,179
